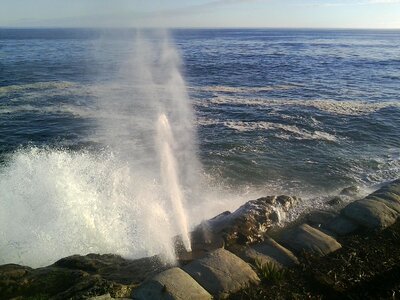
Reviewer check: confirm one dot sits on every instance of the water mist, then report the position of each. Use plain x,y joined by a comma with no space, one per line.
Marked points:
127,197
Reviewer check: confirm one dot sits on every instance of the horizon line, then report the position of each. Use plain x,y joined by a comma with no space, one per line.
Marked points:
195,27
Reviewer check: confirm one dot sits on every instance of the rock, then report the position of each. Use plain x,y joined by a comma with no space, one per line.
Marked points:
171,284
251,221
320,217
55,283
335,201
114,267
309,239
342,226
393,187
202,241
370,213
221,273
386,195
388,201
277,252
102,297
350,191
251,256
78,277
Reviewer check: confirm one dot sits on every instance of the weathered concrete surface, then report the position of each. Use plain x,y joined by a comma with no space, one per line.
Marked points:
370,213
172,284
251,221
221,273
309,239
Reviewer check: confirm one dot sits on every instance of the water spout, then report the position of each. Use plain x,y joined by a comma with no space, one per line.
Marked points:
170,177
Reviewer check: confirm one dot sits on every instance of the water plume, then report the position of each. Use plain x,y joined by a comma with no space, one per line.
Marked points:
170,177
127,197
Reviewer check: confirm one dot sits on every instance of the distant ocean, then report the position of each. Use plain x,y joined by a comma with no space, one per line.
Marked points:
302,112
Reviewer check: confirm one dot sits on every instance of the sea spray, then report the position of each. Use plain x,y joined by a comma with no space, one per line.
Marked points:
170,177
60,202
56,203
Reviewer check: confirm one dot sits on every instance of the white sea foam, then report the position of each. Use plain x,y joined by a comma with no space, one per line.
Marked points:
284,131
70,109
350,108
243,89
58,85
57,203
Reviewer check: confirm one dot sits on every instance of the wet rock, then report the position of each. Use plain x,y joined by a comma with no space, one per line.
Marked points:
221,273
370,213
251,221
342,226
114,267
53,283
393,187
171,284
78,277
309,239
350,191
202,240
335,201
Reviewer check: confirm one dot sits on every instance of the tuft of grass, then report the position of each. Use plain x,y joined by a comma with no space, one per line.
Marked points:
270,271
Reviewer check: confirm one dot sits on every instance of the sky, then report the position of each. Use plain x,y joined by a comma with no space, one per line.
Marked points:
201,13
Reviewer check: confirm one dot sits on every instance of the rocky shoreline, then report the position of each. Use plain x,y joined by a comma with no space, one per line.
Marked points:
242,255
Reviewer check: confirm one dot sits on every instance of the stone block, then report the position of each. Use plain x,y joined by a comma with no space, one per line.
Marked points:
309,239
370,213
172,284
221,273
342,226
277,252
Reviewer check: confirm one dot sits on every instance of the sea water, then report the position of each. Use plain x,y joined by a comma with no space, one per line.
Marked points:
253,112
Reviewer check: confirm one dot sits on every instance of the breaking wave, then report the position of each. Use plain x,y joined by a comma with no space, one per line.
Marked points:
347,108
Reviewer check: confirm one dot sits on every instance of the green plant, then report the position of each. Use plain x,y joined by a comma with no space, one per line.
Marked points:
270,271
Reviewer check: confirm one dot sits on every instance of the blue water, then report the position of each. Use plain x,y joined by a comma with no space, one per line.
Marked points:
259,112
276,110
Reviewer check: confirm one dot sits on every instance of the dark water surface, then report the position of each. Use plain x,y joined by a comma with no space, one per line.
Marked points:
293,110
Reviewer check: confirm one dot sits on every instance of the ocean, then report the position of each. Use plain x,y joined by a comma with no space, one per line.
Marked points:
254,112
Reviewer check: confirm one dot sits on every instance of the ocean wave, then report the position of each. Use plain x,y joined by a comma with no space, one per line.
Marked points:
286,132
4,90
57,203
65,109
291,131
244,90
349,108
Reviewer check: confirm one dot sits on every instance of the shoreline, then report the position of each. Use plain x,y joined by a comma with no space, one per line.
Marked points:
249,237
